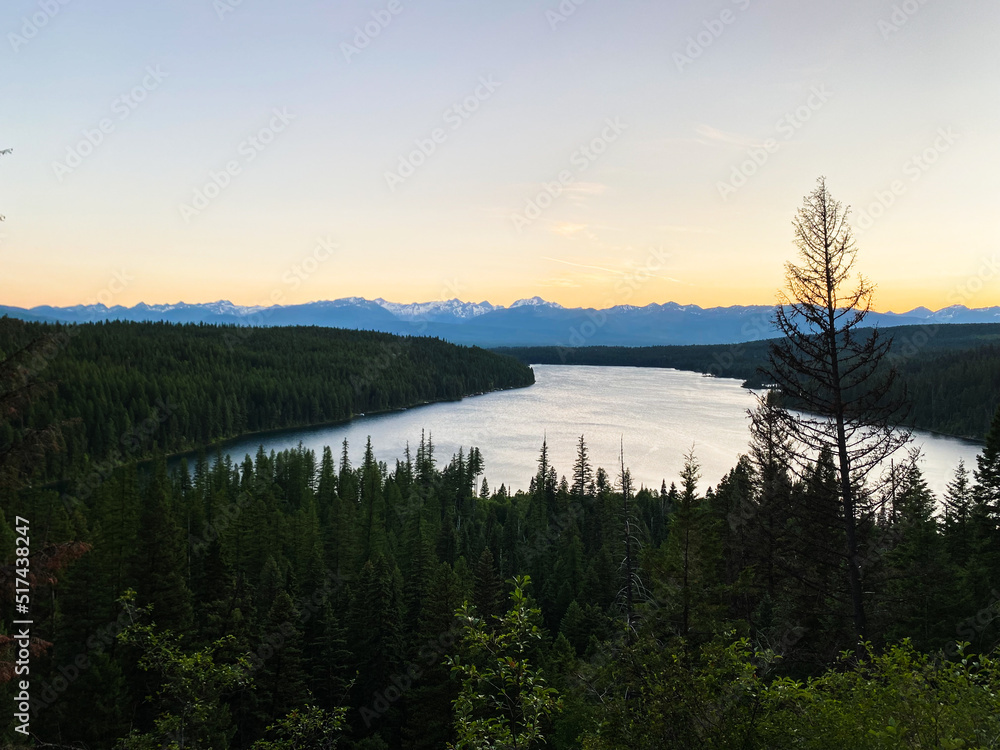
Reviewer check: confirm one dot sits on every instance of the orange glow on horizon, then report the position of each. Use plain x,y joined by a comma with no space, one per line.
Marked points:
897,301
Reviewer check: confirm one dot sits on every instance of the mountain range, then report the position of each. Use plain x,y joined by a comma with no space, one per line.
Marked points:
527,322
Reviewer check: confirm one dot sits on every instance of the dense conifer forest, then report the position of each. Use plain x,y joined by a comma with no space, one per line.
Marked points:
294,600
124,390
951,372
298,588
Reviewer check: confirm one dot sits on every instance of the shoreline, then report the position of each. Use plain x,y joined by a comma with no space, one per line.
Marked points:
218,444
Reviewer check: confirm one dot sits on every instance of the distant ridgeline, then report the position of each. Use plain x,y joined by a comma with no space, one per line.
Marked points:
952,372
128,389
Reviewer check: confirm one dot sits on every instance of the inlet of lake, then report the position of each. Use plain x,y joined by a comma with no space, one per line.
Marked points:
657,415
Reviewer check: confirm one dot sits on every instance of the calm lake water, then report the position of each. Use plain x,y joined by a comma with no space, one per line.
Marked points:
658,415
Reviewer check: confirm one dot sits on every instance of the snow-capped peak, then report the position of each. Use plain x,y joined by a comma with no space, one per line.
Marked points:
437,308
536,302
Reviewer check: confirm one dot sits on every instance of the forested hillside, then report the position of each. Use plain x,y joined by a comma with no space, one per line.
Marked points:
296,601
124,390
952,373
694,616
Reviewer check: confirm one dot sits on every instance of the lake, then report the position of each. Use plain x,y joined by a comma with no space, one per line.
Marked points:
657,414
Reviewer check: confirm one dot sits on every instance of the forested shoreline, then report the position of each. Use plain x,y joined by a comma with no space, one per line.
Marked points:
122,391
951,372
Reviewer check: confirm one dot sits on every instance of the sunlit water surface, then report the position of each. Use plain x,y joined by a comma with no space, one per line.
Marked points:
657,415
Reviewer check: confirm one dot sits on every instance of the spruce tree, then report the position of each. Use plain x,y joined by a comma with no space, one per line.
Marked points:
376,633
160,558
583,472
987,471
487,595
958,503
921,589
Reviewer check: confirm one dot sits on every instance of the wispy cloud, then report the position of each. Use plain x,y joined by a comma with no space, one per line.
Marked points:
690,230
618,272
560,283
568,230
708,135
582,265
579,192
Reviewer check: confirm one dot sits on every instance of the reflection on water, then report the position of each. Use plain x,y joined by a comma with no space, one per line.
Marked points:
659,415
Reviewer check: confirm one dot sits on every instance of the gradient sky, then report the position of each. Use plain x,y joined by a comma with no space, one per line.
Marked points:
874,94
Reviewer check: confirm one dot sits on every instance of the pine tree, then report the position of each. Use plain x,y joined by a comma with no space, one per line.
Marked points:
428,724
690,561
376,633
487,595
279,675
326,489
160,561
330,658
474,468
987,473
372,506
958,504
630,544
576,628
834,369
983,566
583,472
922,580
815,594
419,562
347,483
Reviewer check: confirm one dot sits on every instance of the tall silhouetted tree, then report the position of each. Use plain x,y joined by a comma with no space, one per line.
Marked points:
629,545
831,368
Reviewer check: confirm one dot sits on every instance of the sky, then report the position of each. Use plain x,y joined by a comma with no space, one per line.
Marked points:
591,152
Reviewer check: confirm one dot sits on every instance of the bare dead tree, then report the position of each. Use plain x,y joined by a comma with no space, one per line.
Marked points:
629,563
833,369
